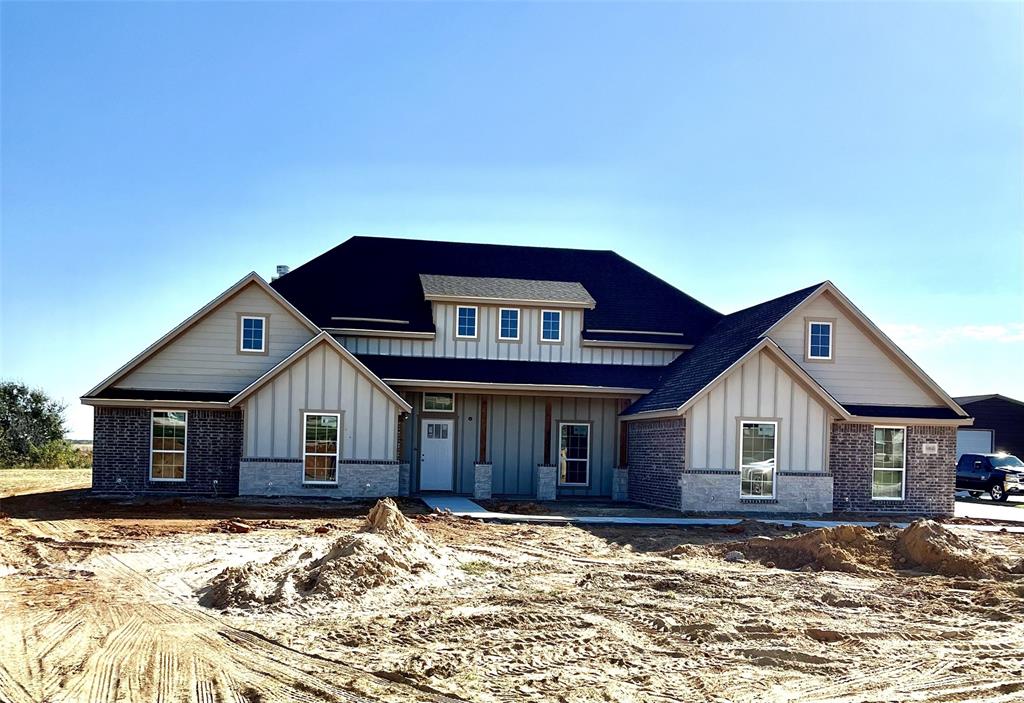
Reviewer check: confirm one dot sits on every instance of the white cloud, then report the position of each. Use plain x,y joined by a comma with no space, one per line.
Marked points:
910,336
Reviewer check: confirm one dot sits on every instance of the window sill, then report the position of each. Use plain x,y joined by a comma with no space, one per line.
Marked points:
758,500
167,480
319,484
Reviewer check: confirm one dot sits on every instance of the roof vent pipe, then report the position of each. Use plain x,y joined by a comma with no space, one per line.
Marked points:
282,269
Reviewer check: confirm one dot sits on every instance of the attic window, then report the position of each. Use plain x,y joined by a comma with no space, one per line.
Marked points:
819,340
252,333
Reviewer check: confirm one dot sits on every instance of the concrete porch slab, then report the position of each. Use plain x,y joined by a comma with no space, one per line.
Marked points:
464,507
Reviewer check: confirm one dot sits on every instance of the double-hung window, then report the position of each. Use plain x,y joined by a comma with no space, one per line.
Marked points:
889,465
757,458
253,334
508,324
465,320
551,325
819,340
167,450
573,454
320,447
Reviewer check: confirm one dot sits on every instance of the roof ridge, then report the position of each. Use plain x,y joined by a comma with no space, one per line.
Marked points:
808,290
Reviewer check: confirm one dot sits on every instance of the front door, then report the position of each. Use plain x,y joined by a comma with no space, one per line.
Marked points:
437,465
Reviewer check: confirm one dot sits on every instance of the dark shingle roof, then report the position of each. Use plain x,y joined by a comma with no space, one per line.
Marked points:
372,277
158,394
728,341
908,411
425,368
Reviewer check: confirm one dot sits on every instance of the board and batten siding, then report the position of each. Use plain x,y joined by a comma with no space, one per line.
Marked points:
758,389
861,371
320,380
515,439
206,356
488,346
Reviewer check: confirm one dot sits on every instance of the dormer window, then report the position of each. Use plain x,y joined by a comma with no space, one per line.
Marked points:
508,324
551,325
465,322
252,334
819,340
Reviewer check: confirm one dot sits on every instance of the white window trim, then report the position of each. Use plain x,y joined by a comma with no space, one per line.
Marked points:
241,334
775,471
519,325
423,402
831,339
336,454
903,471
581,424
476,322
184,452
542,337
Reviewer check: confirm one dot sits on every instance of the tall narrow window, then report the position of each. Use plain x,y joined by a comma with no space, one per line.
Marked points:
819,340
508,324
757,459
573,454
465,321
551,325
320,448
889,465
253,334
167,453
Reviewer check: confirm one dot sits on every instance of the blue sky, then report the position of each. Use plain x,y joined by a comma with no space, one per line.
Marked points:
153,153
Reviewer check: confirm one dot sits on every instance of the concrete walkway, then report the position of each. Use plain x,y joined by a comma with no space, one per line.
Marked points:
464,507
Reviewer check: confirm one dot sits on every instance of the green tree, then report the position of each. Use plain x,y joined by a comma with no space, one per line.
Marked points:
31,425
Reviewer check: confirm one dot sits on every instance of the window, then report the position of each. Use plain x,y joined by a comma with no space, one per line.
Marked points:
551,326
508,323
320,447
573,454
253,333
466,321
167,453
439,402
819,340
890,459
757,459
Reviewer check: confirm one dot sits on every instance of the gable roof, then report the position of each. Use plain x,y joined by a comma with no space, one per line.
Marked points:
375,281
322,338
730,340
484,288
251,278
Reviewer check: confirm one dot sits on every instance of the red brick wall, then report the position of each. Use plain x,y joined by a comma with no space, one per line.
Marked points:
929,479
657,451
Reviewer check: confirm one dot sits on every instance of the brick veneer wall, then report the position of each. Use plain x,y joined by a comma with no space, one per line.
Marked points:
929,479
121,439
657,451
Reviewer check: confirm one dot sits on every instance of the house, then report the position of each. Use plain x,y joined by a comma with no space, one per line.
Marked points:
998,425
390,366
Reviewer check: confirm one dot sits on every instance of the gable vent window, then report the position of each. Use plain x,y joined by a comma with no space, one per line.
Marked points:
551,325
253,334
465,322
819,340
508,324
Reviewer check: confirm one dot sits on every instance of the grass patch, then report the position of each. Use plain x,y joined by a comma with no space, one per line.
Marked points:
478,567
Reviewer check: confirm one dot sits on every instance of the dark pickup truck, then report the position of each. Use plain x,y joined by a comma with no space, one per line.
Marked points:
999,475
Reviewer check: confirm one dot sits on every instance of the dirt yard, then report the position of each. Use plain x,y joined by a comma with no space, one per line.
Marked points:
171,600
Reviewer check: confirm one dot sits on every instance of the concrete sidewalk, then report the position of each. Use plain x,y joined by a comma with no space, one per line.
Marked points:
464,507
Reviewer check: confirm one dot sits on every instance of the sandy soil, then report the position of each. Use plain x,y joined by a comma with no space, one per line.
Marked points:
101,601
22,481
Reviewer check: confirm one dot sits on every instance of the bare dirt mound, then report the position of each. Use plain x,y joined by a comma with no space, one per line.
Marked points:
924,544
927,544
388,551
849,548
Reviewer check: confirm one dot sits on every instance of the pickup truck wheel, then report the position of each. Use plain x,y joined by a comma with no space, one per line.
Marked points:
997,492
974,494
